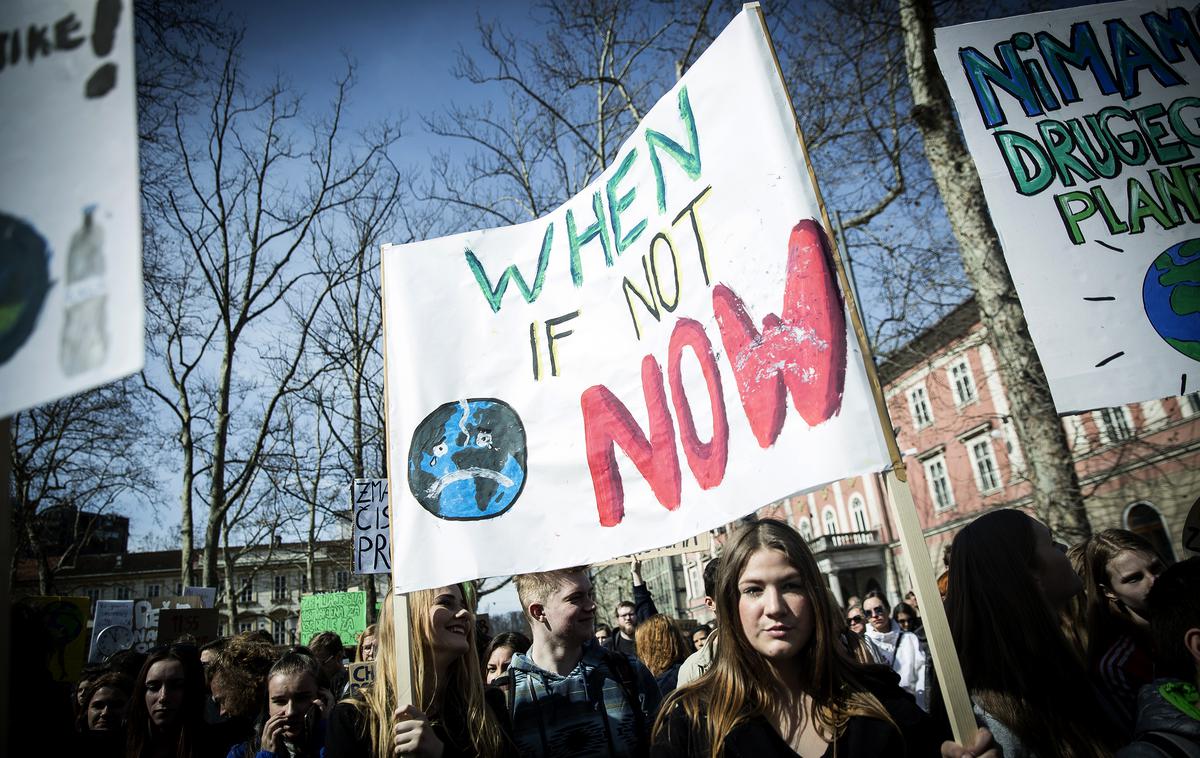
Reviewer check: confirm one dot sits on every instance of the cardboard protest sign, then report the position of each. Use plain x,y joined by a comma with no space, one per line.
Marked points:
112,629
207,595
1084,126
62,625
341,612
361,675
659,356
145,625
369,509
70,226
199,623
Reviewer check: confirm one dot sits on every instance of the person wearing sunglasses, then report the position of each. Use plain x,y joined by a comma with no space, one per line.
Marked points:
901,649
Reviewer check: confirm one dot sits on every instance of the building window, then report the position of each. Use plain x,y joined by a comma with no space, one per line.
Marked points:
963,383
858,514
343,581
830,521
304,581
279,632
122,593
805,529
1115,424
247,593
987,475
918,405
179,589
1144,520
245,626
153,590
939,483
93,595
281,590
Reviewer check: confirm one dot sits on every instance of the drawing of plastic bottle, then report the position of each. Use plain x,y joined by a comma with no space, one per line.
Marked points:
84,343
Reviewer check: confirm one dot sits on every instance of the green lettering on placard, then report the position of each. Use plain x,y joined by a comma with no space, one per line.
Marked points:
688,160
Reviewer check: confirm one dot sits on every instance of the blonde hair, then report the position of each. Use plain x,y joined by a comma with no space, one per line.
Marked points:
739,687
659,644
371,631
462,698
537,588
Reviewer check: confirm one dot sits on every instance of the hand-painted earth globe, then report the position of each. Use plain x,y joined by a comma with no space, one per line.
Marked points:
24,282
467,460
1171,296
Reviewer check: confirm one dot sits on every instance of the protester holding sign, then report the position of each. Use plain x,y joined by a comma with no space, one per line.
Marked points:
451,715
782,681
1008,580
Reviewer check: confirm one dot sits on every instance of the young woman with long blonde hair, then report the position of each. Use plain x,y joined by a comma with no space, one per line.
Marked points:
783,682
451,714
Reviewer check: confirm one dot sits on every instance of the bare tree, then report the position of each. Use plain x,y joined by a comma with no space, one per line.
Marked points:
232,242
1056,484
78,458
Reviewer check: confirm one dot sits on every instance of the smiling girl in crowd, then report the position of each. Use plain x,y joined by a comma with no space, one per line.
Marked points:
783,684
450,715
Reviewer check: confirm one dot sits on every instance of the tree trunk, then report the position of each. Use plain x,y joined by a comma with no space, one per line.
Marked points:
217,505
185,505
1057,495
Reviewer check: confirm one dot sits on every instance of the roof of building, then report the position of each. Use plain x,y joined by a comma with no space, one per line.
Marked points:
953,326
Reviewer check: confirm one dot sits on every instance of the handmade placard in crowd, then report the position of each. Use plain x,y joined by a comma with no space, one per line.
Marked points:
1083,125
62,627
198,623
112,629
341,612
361,675
701,543
369,515
657,357
207,595
70,224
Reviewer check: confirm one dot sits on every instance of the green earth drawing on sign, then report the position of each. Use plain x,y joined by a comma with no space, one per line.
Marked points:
1171,296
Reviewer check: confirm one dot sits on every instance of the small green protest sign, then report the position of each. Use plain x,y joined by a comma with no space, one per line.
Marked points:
341,612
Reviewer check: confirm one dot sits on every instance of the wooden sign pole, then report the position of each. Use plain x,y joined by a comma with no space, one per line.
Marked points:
933,614
404,692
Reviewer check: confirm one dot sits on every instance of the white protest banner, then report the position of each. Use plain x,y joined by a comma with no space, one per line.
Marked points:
661,355
112,629
369,509
207,595
1085,126
145,625
70,226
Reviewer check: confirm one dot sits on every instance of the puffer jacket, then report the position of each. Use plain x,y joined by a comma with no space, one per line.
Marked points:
1168,722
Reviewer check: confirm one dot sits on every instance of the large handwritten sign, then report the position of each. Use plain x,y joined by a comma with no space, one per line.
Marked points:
62,624
662,354
369,509
112,629
70,224
341,612
1085,126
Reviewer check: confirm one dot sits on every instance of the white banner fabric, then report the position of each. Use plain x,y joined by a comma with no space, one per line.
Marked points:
1085,127
661,355
70,228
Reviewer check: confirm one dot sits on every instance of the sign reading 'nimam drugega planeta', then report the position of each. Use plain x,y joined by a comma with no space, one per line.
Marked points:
1085,126
662,354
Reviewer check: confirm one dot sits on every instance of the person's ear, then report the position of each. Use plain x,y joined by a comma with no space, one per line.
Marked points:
711,603
1191,641
537,612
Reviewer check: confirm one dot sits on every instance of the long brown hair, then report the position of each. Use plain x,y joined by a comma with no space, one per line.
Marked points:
659,644
1017,664
139,735
461,703
1106,620
739,687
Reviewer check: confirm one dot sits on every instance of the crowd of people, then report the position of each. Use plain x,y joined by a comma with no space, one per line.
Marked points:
1084,652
